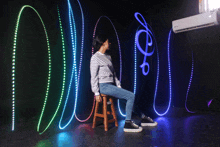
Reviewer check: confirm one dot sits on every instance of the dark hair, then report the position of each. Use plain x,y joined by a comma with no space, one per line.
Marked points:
99,40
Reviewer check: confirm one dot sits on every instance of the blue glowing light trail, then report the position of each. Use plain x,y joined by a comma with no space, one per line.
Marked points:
79,72
135,65
74,70
190,81
170,82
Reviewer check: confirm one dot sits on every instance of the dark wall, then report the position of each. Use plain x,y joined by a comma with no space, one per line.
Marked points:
31,67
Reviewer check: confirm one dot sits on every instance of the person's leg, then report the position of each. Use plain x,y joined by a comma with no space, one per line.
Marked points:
112,90
120,93
145,121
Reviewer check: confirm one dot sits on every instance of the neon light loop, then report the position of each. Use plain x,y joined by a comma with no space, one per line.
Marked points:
190,81
148,43
81,64
63,85
119,53
170,83
14,59
158,71
74,70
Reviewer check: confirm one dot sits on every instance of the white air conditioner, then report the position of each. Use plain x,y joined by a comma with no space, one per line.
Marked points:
197,21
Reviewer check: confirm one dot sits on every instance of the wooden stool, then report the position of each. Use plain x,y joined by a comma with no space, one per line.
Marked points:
105,113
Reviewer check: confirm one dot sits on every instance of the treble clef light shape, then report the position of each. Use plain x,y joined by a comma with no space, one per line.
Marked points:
13,61
149,42
63,85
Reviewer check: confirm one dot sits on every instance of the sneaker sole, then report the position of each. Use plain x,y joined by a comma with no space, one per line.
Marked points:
149,124
133,130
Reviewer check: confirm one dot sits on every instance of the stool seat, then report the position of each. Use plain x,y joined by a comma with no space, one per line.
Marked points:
105,112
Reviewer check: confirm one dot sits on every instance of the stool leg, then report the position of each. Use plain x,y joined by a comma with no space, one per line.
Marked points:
96,111
105,113
113,112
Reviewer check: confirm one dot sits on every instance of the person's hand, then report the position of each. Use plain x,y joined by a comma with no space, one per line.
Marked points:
98,98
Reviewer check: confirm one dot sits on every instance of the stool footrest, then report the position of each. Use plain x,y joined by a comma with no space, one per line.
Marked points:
111,121
102,115
99,115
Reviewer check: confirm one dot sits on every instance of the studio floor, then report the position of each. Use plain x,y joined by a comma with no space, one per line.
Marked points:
178,129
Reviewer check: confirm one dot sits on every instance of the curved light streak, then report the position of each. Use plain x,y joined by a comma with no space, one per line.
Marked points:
119,54
80,64
135,65
63,84
14,59
209,103
170,82
74,70
190,81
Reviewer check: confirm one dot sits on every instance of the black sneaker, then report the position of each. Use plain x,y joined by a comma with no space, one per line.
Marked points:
130,126
147,121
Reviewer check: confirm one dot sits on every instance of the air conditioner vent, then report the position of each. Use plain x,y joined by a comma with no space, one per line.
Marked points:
193,28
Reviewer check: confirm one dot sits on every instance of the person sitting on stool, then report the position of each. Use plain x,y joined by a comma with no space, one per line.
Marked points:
103,78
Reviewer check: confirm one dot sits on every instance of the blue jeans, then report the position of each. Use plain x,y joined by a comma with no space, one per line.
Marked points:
120,93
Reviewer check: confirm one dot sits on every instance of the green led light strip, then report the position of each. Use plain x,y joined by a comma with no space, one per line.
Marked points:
49,72
64,80
14,59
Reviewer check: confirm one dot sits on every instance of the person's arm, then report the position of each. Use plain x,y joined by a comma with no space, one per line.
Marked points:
94,70
118,83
